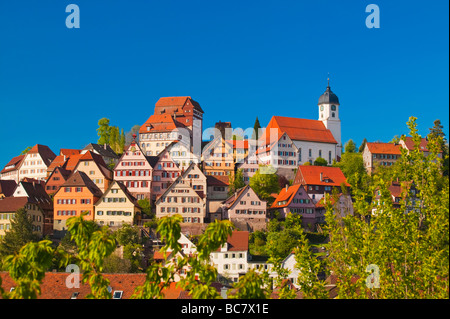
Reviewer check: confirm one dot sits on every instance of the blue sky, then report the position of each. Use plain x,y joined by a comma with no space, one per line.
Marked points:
238,58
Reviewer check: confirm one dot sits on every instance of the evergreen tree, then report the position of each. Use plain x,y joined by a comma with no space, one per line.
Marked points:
21,233
256,128
103,131
362,146
236,182
122,141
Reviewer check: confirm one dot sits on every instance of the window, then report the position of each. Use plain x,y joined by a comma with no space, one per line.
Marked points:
117,294
67,189
310,152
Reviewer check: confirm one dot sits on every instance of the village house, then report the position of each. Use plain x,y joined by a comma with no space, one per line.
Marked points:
245,207
408,143
248,166
165,172
105,151
319,180
117,207
62,159
58,177
294,199
39,207
11,169
35,163
95,167
231,260
77,195
135,170
401,194
182,156
181,198
217,157
380,154
196,179
175,119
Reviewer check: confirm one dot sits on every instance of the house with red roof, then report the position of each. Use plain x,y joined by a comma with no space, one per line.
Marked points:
7,187
231,260
95,167
175,119
77,195
319,180
294,199
122,286
58,176
165,172
408,143
380,154
36,161
11,169
31,196
135,170
244,206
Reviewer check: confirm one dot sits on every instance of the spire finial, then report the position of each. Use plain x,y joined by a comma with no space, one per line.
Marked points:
328,79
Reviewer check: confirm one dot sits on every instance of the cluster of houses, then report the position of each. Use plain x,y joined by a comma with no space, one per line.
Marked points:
169,164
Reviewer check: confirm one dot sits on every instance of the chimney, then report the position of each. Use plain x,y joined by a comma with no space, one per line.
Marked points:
287,186
104,146
64,157
321,176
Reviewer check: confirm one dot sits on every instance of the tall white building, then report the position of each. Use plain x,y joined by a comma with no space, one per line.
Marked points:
329,115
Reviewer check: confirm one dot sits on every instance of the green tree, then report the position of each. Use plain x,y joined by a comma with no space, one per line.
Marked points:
121,142
320,162
406,247
350,147
352,166
437,132
21,233
256,130
103,131
145,207
236,181
362,146
26,150
264,185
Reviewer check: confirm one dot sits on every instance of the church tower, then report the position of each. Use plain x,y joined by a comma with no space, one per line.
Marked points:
329,115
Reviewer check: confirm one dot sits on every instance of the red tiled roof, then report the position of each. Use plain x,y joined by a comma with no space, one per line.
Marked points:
11,204
299,130
238,144
72,162
233,198
15,162
54,286
238,241
44,151
410,144
286,195
159,123
311,175
171,103
7,187
80,179
98,159
384,148
68,151
217,180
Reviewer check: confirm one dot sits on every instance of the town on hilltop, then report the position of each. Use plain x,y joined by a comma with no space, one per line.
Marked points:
173,165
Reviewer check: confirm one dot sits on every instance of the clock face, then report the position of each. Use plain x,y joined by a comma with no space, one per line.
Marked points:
333,107
133,149
321,107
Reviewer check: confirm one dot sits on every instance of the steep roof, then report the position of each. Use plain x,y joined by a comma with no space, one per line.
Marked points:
80,179
130,197
299,130
7,187
104,150
159,123
229,202
217,180
238,241
44,151
72,162
176,101
311,175
11,204
286,195
383,148
14,163
97,159
409,143
37,194
69,151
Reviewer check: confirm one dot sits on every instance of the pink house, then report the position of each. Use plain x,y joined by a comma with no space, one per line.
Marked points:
295,199
134,170
165,172
244,203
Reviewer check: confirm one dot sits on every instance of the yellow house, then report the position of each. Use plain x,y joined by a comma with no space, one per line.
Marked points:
117,207
96,169
218,157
